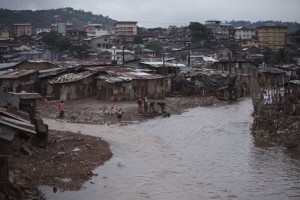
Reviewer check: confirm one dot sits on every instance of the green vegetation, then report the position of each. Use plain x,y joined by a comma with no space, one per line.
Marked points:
156,46
62,44
44,18
57,42
276,57
199,32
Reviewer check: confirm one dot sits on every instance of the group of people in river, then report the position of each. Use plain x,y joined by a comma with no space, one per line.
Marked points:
144,107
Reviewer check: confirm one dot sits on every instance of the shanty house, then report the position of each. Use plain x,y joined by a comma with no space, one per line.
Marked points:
236,67
18,80
72,86
14,126
161,68
267,89
35,65
130,85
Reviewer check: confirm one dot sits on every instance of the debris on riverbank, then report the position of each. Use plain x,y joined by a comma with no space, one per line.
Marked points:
57,164
92,111
277,128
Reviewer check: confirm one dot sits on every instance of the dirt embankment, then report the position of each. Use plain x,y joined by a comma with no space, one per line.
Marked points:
66,162
92,111
278,128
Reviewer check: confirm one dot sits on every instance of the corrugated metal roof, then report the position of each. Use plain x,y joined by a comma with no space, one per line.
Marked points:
23,126
29,52
161,64
140,75
16,74
71,77
272,70
4,66
296,82
51,72
127,76
16,114
26,95
110,79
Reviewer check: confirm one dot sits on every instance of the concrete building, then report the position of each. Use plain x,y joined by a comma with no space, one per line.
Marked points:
62,27
219,29
126,30
4,34
272,36
42,30
100,42
22,29
95,30
242,33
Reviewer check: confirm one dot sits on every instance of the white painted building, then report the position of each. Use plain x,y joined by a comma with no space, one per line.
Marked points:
95,30
42,30
242,33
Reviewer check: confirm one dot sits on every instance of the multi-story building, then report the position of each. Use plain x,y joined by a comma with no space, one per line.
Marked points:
126,30
242,33
62,27
42,30
95,30
100,42
219,29
4,34
22,29
272,36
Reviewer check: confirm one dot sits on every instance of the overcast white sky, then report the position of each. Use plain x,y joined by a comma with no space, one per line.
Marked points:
156,13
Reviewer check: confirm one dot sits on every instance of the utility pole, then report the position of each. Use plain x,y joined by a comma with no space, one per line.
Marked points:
123,54
163,58
164,70
189,56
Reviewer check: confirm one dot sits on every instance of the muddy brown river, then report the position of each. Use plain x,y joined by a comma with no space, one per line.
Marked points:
205,153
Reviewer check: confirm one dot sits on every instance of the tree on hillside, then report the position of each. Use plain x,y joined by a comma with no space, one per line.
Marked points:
199,32
57,43
156,46
282,56
276,57
269,55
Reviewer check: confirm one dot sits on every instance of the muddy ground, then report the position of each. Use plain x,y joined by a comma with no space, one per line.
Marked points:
93,111
56,164
278,128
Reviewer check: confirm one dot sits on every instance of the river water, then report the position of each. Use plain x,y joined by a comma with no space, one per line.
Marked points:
205,153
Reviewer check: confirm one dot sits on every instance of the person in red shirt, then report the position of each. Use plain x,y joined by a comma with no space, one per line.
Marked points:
61,108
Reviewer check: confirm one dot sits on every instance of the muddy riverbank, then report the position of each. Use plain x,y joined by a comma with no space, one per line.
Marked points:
278,129
65,163
93,111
